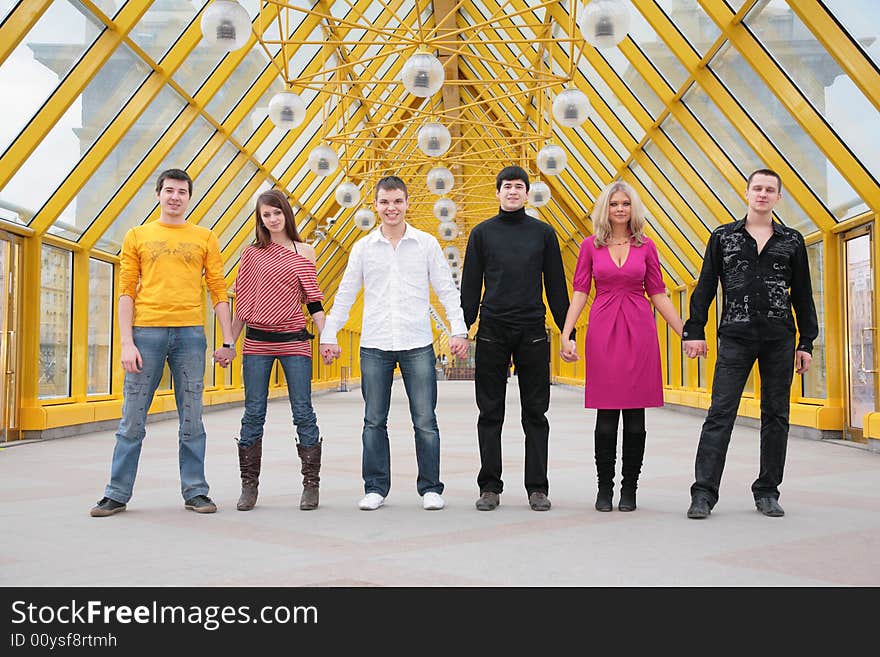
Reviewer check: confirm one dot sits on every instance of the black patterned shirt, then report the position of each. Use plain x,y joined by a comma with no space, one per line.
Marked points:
759,290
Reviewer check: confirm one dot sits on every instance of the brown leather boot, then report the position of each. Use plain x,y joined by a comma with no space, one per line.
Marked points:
249,460
311,468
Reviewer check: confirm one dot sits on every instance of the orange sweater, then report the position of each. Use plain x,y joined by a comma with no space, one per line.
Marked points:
162,268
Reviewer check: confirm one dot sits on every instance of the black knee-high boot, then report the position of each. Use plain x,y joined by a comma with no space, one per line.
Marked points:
605,454
633,455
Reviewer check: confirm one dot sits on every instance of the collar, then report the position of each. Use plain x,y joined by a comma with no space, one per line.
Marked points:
741,226
377,236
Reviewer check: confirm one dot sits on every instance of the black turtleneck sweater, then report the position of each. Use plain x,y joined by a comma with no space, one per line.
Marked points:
514,255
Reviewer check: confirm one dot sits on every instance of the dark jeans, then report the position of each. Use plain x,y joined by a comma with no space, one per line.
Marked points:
735,360
530,349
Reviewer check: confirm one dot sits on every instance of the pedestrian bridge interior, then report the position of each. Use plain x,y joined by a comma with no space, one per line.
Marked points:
680,98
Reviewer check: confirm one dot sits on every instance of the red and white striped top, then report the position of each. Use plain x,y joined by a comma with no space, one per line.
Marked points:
272,285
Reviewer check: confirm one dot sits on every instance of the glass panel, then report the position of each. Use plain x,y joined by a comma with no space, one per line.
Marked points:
100,326
233,189
780,127
634,81
43,58
5,8
831,93
734,202
860,328
617,108
162,24
690,19
656,50
144,200
260,113
813,382
741,154
56,281
861,19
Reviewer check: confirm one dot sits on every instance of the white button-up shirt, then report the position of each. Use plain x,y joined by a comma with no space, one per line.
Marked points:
396,284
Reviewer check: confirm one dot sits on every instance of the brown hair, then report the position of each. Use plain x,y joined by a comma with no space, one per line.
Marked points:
276,199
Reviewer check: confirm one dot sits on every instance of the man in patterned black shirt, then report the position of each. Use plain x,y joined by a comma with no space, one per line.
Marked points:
764,272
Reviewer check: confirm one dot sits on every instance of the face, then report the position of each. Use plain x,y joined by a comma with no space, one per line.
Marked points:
619,209
763,193
512,195
174,198
391,206
273,220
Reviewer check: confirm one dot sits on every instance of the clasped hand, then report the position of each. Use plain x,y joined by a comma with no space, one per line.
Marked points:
224,355
330,352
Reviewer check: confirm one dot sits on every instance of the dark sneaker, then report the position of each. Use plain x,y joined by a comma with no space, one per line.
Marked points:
200,504
488,501
769,507
106,507
539,501
699,508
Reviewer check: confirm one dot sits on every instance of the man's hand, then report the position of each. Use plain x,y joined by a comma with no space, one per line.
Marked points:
330,352
568,351
459,346
694,348
224,355
131,358
802,361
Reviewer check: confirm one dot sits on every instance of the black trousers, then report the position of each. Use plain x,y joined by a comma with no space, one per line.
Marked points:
735,360
530,349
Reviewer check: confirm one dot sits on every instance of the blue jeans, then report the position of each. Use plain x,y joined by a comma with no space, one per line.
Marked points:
184,348
420,381
256,369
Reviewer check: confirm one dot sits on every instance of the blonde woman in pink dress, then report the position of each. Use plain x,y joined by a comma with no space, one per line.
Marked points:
621,348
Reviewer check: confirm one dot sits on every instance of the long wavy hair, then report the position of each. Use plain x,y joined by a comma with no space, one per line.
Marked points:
276,199
601,222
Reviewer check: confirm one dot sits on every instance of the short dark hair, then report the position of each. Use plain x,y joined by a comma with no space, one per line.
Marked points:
511,173
764,172
174,174
390,183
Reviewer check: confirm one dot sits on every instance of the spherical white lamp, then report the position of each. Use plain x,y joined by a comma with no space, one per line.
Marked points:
348,195
440,180
364,219
447,230
287,110
323,161
532,212
551,159
434,139
539,194
604,23
226,24
445,209
422,75
453,255
571,108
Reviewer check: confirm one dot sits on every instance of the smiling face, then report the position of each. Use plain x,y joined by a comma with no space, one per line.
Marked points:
173,199
619,211
391,206
512,195
274,221
763,193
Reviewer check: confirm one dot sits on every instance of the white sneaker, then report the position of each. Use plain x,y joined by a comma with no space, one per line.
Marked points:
433,502
371,502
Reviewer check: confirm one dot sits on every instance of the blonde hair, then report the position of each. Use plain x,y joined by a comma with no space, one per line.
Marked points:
601,222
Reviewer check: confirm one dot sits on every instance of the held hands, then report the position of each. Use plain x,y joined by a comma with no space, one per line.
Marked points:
568,351
802,361
330,352
458,347
224,355
694,348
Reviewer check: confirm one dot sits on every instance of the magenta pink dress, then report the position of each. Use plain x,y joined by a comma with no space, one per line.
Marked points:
621,348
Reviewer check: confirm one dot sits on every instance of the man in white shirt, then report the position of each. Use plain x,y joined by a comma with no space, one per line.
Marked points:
397,265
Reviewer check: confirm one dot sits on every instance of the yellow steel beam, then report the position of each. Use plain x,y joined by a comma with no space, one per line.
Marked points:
19,23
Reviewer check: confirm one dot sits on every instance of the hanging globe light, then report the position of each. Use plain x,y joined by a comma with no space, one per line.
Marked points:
348,195
570,108
434,139
447,230
539,194
440,180
551,159
445,209
453,255
532,212
364,219
422,75
287,110
323,161
604,23
226,24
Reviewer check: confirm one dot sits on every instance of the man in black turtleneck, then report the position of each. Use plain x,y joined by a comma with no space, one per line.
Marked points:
514,255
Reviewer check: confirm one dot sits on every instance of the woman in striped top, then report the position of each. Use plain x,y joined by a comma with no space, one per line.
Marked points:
276,276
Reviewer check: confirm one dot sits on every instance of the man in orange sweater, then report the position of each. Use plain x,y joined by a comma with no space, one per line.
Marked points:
161,318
